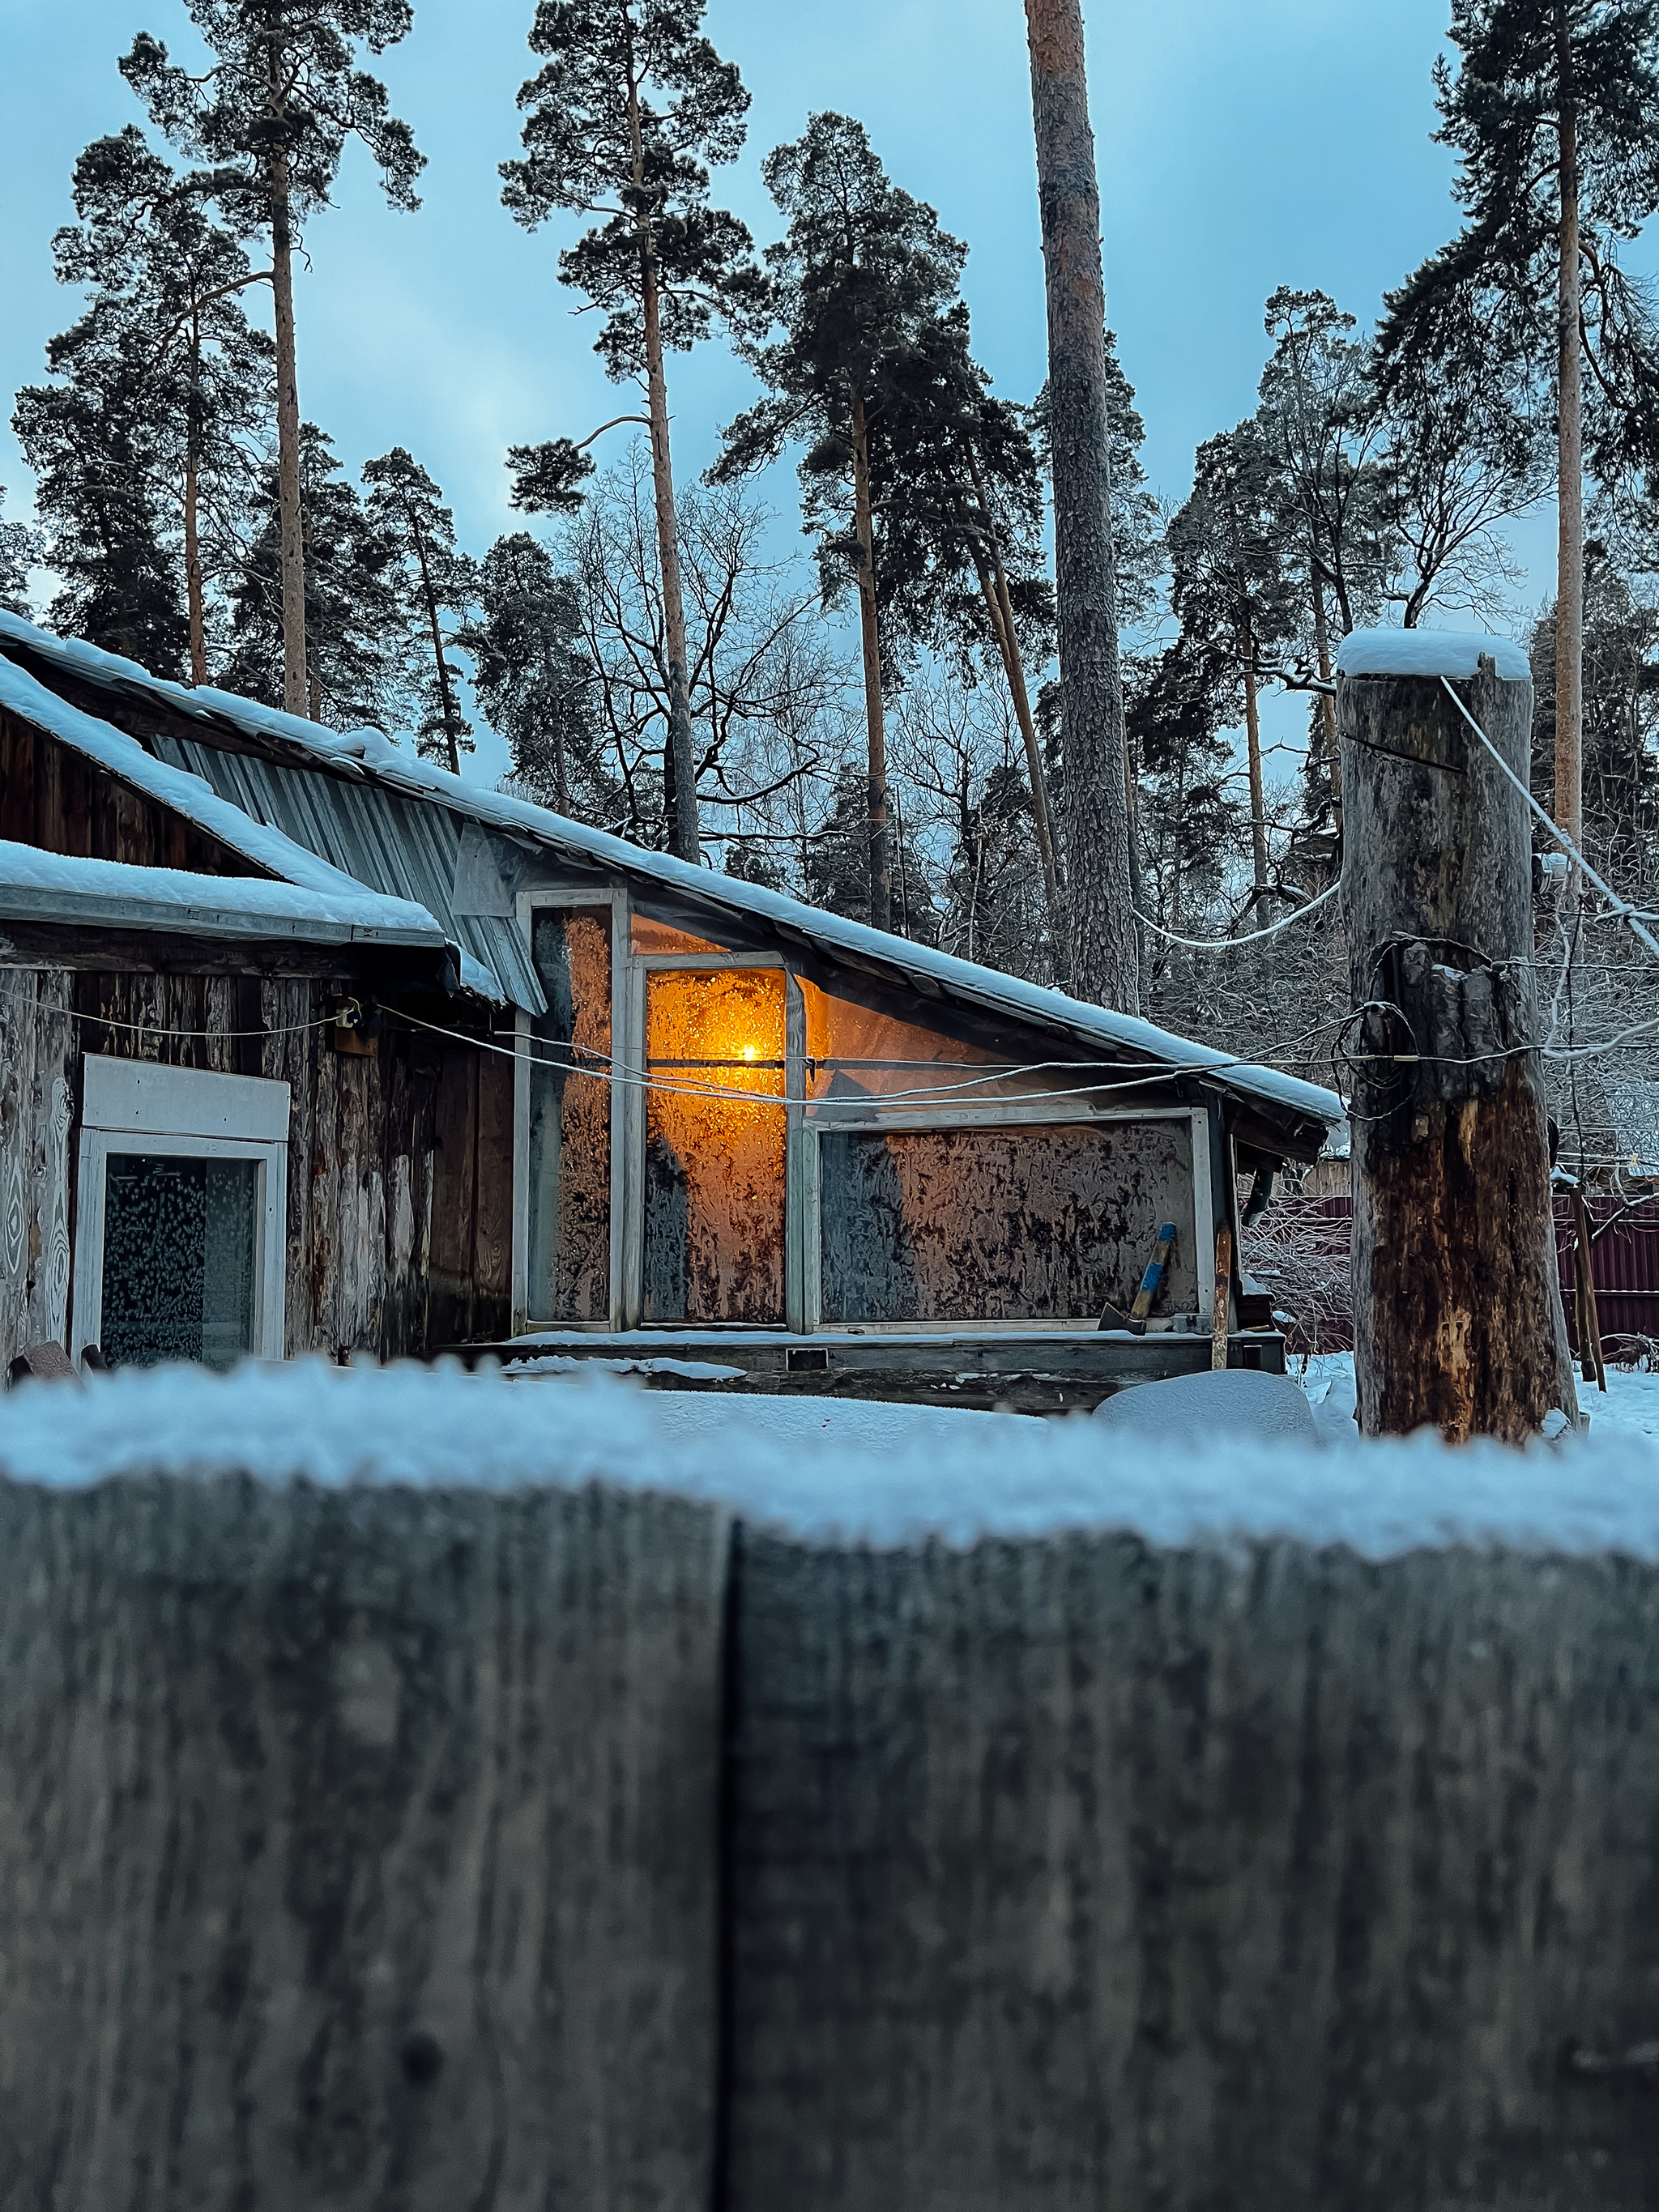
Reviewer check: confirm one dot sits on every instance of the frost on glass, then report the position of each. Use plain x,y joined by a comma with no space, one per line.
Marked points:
714,1146
569,1176
1028,1224
179,1243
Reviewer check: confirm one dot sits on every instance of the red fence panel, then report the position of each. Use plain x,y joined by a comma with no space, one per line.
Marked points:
1298,1239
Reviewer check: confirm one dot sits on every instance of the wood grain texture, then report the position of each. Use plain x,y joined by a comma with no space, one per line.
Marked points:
1458,1320
36,1165
1076,1873
357,1850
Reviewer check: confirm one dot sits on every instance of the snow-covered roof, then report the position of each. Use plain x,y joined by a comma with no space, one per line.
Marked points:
370,756
1454,652
52,887
186,795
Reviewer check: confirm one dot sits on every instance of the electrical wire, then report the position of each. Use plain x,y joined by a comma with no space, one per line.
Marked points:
1227,943
1622,910
151,1029
921,1095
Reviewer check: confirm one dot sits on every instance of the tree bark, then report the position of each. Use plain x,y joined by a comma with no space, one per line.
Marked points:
1327,700
881,872
685,835
446,699
1458,1320
1105,959
1570,491
1258,796
193,525
294,688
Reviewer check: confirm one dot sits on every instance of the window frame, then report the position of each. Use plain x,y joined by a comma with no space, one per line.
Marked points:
529,903
155,1112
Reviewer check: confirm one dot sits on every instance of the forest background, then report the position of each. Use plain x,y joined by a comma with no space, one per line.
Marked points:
1240,150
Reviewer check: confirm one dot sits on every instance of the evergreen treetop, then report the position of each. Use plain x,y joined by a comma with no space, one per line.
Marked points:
280,100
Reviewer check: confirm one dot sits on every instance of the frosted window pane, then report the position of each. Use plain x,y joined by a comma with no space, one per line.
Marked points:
1004,1224
569,1179
179,1241
715,1163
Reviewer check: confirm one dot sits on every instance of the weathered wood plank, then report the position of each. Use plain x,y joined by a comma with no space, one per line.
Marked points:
1077,1873
357,1849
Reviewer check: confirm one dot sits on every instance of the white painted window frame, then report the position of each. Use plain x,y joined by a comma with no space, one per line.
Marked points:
803,1253
166,1113
529,903
1067,1113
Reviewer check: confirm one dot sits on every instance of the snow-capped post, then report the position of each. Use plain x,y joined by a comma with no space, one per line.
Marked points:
1458,1320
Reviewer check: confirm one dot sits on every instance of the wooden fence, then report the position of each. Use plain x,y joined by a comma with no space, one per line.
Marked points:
444,1850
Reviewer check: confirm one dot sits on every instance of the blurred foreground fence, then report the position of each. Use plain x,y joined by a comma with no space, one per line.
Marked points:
1298,1251
459,1852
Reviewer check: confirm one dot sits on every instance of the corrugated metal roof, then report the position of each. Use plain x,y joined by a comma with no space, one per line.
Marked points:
404,847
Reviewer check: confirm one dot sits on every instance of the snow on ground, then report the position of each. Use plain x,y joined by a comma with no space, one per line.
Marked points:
837,1470
1629,1406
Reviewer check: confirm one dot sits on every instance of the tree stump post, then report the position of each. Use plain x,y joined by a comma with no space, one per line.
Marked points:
1458,1320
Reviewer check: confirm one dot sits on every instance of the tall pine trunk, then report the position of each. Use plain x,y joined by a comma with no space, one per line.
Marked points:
295,690
1327,699
192,515
684,836
1258,796
881,873
1105,964
445,697
1570,569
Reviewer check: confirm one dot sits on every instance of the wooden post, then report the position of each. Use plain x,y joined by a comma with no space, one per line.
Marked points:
1224,1278
1590,1321
1458,1322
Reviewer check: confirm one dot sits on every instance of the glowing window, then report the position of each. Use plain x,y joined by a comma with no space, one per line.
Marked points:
714,1146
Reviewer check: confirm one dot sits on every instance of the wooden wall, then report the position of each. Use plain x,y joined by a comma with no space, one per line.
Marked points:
37,1068
400,1161
53,797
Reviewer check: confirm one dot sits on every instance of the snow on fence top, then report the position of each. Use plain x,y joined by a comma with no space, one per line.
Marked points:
881,1475
1454,652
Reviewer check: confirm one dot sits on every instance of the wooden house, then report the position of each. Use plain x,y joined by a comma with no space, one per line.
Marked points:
632,1106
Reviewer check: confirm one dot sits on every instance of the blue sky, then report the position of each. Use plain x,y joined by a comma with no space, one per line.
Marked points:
1242,144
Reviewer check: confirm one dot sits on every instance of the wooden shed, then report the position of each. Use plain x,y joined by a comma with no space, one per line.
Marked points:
714,1124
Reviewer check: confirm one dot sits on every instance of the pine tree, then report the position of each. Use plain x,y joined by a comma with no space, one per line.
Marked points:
21,550
534,678
102,454
963,566
357,669
1554,112
861,276
272,115
163,272
621,123
439,582
1232,591
1105,955
1621,719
